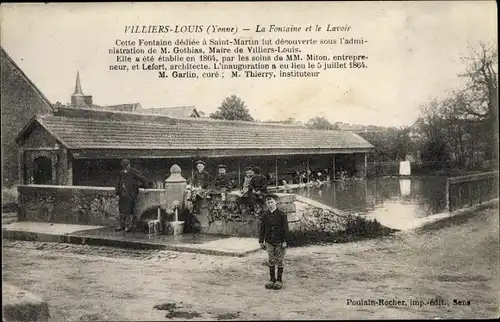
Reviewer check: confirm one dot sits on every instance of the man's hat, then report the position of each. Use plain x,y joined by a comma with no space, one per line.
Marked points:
271,196
221,166
199,161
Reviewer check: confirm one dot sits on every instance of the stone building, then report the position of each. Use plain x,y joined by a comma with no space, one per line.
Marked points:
84,146
20,101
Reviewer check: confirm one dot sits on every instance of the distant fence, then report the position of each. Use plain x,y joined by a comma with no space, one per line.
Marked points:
466,191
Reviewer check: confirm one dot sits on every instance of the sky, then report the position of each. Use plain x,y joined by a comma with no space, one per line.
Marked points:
414,51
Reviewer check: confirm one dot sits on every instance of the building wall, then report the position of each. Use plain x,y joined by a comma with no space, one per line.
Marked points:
36,145
19,103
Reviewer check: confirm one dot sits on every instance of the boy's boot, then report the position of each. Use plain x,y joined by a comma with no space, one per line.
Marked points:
279,283
272,280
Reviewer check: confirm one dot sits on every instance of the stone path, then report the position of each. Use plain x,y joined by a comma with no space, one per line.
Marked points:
104,236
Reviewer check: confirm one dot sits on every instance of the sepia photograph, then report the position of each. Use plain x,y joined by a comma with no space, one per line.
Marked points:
228,161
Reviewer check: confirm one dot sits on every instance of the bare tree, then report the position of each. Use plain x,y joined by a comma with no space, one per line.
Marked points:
481,91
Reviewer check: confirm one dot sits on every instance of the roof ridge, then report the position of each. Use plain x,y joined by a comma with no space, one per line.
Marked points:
228,124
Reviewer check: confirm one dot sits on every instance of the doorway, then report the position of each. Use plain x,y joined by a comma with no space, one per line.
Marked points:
42,171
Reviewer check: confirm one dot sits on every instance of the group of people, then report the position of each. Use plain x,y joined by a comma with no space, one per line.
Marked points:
254,184
310,176
273,229
203,180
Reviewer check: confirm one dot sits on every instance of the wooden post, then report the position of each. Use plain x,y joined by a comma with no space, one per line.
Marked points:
480,194
448,202
192,171
20,163
333,162
459,195
54,169
470,193
366,165
239,174
307,171
276,170
69,169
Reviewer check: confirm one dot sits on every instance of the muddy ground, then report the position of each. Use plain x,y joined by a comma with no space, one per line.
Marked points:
457,261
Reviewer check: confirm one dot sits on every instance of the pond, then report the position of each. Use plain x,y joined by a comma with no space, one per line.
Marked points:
392,201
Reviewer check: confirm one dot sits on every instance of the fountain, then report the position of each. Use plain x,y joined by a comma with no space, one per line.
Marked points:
177,226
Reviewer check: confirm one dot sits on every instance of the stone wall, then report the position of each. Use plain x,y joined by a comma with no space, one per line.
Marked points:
20,102
309,221
235,218
78,204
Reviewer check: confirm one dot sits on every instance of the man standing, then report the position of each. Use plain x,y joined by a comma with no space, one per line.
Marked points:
127,189
201,181
273,235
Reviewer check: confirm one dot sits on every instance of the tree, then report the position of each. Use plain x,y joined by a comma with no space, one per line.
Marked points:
391,144
232,108
481,92
433,145
320,123
463,126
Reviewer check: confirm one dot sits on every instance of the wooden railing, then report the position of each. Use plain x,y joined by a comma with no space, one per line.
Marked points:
466,191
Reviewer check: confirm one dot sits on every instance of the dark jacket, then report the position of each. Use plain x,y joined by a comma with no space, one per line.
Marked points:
201,179
221,181
258,183
274,227
129,182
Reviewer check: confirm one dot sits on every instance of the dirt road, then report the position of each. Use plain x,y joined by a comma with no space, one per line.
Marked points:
458,261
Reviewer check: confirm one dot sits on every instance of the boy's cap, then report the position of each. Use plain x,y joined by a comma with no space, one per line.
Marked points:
199,161
271,197
221,166
248,168
125,162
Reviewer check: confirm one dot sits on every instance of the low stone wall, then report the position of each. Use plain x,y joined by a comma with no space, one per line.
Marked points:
78,204
309,221
235,218
313,223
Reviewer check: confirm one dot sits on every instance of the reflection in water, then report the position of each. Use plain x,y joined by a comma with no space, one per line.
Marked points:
405,187
386,199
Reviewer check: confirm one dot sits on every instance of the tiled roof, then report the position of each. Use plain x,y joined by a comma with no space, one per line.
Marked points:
123,107
92,133
178,111
133,107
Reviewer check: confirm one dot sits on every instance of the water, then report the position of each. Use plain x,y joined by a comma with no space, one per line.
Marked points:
395,202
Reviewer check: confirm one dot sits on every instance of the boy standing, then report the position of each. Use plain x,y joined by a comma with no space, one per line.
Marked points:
273,235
